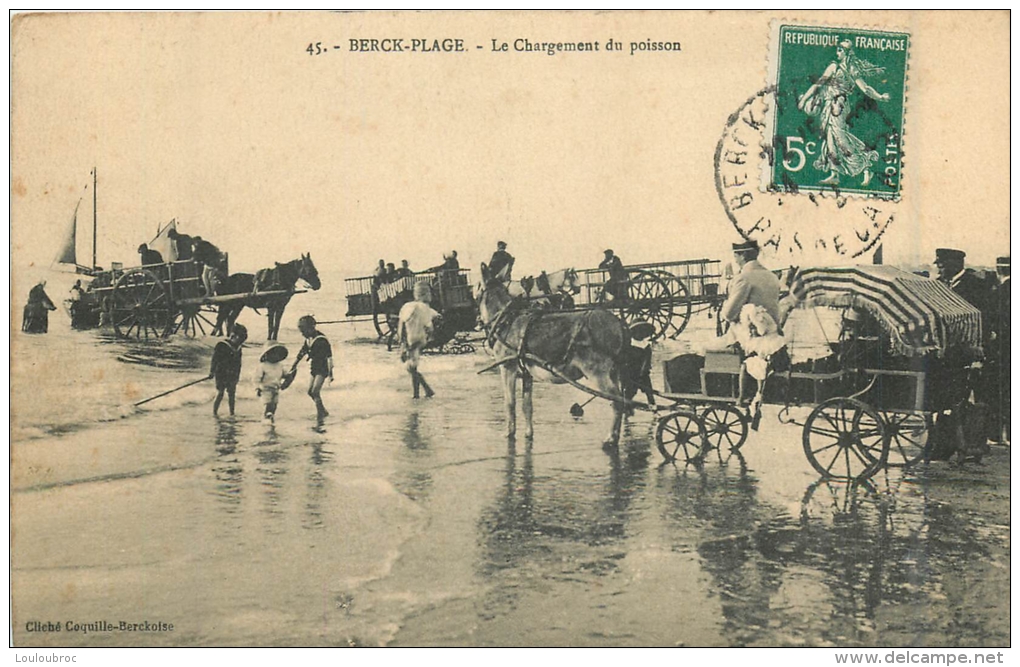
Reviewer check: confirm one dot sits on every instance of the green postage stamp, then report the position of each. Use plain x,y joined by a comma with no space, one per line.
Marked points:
837,124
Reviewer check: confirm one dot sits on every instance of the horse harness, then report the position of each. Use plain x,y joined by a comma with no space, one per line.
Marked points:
511,313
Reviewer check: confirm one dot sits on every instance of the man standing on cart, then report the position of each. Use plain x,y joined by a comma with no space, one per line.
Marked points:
502,262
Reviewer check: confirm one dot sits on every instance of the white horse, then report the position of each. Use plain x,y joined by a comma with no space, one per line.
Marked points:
581,344
555,290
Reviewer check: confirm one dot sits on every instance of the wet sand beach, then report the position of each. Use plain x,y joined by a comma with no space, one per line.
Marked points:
415,523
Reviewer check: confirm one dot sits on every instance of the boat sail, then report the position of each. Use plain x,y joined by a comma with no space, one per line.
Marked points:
69,250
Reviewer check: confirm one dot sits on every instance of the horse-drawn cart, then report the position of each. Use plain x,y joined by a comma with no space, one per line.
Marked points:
158,301
452,298
869,400
664,294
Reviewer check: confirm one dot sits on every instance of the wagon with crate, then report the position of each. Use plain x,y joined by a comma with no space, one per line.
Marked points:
378,301
868,398
664,294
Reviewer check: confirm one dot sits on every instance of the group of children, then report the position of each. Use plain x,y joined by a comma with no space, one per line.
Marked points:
271,377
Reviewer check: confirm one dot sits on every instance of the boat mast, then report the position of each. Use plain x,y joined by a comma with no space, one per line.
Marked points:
94,222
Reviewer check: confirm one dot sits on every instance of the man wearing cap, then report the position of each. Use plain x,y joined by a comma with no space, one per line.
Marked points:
963,281
616,285
502,262
999,355
960,377
754,284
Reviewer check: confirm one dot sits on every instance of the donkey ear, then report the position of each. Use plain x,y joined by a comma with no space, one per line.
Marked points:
485,272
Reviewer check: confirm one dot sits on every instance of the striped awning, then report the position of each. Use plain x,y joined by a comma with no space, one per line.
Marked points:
919,314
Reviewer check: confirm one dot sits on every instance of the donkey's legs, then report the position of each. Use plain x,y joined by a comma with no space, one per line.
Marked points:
607,380
509,377
527,383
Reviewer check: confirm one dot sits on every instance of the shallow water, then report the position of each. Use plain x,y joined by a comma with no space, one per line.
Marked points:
402,522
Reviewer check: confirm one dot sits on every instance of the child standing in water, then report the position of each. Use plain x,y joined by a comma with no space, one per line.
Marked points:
226,367
269,377
320,357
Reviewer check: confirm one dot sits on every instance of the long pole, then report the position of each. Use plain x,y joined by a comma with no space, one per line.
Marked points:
95,223
183,386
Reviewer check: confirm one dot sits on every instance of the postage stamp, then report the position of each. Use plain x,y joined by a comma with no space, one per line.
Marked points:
837,125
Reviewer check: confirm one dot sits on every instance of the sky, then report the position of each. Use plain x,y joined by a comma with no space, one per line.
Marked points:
227,124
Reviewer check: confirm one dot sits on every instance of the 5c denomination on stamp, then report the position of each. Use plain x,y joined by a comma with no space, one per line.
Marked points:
837,124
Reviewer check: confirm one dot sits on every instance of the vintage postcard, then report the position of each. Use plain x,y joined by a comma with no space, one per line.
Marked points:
506,329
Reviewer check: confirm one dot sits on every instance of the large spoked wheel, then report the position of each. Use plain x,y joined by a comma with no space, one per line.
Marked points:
725,426
681,303
908,437
648,300
141,306
680,436
385,321
845,438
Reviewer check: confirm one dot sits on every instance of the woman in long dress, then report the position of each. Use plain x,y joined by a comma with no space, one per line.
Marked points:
841,152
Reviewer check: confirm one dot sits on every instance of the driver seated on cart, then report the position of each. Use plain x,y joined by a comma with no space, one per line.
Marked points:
752,309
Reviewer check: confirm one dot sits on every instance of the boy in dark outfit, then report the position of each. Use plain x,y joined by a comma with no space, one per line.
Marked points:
226,367
320,357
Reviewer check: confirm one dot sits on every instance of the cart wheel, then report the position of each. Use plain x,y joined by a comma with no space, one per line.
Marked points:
681,435
191,321
725,425
681,303
140,306
648,300
908,437
845,438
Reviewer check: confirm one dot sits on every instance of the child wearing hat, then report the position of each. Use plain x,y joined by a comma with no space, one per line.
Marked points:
269,378
226,367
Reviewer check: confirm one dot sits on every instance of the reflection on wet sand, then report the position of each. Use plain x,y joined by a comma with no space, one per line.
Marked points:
413,478
844,571
556,525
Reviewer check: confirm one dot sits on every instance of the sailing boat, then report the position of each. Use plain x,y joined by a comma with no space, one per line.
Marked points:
69,251
84,308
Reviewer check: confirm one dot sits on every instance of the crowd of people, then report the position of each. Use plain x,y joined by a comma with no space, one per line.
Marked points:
753,301
386,272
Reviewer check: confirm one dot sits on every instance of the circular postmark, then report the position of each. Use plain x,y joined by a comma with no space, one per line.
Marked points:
787,222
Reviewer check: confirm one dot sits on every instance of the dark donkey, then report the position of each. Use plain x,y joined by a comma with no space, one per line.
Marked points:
281,278
588,344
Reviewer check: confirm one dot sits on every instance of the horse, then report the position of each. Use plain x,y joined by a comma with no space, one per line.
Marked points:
556,289
582,344
280,278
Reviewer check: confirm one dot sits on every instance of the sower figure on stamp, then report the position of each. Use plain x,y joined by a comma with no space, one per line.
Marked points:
415,328
829,98
320,357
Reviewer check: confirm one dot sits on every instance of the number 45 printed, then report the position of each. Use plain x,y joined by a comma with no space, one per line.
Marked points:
839,110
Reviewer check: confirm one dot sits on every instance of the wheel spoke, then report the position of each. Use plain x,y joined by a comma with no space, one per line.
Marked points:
828,468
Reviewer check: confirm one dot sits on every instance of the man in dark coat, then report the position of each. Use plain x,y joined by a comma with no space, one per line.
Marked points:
502,262
149,256
963,281
958,379
184,245
616,284
999,357
209,256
